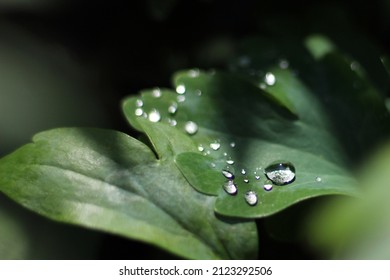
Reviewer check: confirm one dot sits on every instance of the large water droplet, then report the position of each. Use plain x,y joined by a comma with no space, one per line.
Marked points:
270,79
154,116
215,146
251,198
230,187
191,127
180,89
227,174
280,173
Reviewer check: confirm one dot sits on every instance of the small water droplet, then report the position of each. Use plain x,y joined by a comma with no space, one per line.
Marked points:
354,66
200,148
172,109
215,146
257,177
193,73
198,92
284,64
251,198
268,186
139,112
270,79
191,127
243,171
139,103
318,179
154,116
230,187
156,92
281,173
262,86
246,180
230,161
180,89
232,144
225,154
227,174
213,165
172,122
181,98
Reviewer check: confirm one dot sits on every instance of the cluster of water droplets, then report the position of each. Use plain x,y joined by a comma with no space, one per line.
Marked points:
168,115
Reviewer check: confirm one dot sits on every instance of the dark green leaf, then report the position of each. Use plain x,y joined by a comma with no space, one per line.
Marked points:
108,181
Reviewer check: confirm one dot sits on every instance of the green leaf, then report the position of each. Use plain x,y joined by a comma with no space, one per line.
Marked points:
108,181
231,111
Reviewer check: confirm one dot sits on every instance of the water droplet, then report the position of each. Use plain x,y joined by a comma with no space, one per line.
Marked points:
198,92
181,98
213,165
257,177
251,198
139,103
191,127
230,187
284,64
181,89
232,144
139,112
281,173
200,148
172,122
268,186
215,146
172,109
156,92
246,180
243,171
227,174
154,116
225,154
270,79
354,66
262,86
318,179
230,161
193,73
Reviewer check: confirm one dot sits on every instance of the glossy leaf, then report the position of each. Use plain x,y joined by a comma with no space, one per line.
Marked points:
108,181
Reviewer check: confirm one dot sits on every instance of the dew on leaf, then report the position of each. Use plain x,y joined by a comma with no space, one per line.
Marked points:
200,148
284,64
243,171
154,116
232,144
139,103
227,174
172,109
181,98
215,146
156,93
318,179
180,89
270,79
230,187
257,177
262,86
193,73
280,173
246,180
198,92
139,112
268,186
191,127
230,161
251,198
172,122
